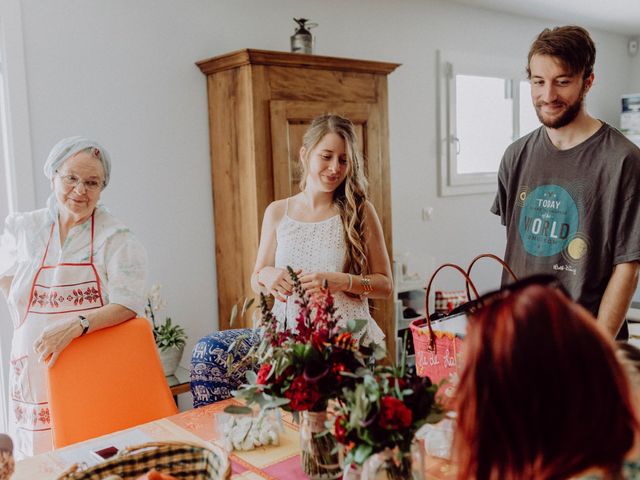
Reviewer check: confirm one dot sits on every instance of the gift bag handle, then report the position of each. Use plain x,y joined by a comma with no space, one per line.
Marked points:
432,341
494,257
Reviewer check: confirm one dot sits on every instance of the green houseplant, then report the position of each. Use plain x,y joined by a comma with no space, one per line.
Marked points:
170,337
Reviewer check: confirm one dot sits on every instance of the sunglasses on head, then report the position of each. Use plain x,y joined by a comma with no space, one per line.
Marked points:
546,280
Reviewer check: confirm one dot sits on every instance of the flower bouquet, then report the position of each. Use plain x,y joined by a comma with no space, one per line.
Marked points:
379,415
301,369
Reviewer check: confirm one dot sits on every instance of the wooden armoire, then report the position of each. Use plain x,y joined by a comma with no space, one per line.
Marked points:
260,104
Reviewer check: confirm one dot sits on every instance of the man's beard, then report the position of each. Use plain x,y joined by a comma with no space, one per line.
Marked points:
566,118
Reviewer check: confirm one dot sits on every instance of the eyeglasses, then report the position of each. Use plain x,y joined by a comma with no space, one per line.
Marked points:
73,181
487,299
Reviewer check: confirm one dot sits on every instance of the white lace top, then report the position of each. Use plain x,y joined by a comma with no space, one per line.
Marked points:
318,247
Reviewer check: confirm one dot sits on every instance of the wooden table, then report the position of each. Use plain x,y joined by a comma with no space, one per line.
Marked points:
274,462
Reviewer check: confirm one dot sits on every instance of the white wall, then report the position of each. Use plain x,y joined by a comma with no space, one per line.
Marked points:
634,78
123,72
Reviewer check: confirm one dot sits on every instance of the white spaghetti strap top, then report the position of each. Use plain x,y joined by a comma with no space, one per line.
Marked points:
318,247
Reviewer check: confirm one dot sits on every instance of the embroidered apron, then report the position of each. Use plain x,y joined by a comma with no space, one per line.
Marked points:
58,291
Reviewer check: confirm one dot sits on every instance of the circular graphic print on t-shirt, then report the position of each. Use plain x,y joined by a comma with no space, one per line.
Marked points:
549,221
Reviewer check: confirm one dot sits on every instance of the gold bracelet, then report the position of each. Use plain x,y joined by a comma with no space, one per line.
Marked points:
366,285
350,282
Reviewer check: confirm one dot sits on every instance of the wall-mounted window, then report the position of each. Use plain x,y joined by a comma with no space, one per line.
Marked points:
484,105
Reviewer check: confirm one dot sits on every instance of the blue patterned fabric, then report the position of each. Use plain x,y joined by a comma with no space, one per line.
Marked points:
211,380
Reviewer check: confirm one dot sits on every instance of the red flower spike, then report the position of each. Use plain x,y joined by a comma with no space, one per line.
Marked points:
263,374
320,339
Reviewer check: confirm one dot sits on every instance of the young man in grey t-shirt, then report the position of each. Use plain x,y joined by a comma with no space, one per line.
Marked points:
569,192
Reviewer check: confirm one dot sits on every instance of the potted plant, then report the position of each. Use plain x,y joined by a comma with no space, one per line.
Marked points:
170,338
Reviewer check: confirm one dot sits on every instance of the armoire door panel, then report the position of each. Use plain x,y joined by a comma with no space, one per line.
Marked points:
295,137
289,122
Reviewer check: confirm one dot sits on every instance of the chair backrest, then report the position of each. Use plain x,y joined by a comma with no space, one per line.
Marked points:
107,381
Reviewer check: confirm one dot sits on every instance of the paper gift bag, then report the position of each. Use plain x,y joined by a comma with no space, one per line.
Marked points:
438,338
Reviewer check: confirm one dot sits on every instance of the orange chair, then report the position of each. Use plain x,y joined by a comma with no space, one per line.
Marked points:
107,381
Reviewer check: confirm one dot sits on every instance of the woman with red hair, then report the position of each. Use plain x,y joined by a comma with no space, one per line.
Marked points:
542,395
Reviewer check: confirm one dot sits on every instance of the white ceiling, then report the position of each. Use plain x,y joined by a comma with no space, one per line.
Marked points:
618,16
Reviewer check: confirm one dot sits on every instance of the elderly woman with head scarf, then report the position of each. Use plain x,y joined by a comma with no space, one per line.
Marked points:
66,270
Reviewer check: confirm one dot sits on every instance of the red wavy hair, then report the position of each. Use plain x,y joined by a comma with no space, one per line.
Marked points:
542,395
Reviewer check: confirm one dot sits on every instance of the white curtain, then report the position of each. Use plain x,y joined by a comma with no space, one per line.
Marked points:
6,333
14,125
6,329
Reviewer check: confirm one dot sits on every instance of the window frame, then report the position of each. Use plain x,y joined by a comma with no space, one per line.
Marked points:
448,66
14,117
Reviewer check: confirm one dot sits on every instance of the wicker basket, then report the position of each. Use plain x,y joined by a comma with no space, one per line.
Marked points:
184,460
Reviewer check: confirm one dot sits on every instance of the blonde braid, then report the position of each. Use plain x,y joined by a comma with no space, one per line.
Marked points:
7,465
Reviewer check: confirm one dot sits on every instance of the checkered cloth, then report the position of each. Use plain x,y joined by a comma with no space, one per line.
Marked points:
445,301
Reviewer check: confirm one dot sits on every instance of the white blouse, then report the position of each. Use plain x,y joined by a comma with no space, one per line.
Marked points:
119,258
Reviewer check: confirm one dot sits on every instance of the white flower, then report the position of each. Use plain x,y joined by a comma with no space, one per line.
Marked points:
156,302
247,433
264,437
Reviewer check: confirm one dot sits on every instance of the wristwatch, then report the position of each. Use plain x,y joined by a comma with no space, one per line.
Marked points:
84,323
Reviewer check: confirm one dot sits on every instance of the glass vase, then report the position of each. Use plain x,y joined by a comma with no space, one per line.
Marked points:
352,472
318,454
391,465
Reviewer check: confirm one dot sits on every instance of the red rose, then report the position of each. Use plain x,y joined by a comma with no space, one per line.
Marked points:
336,368
303,394
263,374
340,430
400,382
394,414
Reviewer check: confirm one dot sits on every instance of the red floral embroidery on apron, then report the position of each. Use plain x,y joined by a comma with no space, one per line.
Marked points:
57,292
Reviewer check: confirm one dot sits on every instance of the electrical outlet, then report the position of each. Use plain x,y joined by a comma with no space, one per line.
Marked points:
427,213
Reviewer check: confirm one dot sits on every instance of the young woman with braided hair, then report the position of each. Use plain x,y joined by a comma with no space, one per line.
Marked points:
329,232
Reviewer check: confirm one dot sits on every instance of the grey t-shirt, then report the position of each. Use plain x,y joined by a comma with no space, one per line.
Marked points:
573,213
